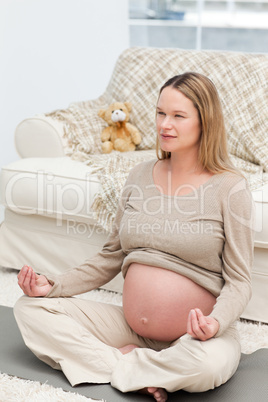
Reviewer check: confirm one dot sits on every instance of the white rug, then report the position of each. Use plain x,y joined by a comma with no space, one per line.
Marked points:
253,336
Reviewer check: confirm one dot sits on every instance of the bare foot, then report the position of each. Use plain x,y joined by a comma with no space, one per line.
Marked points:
128,348
159,394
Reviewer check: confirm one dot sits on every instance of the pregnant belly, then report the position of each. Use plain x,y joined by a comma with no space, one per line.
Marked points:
157,301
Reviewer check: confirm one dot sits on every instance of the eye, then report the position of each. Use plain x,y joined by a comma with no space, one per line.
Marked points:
178,115
112,111
160,113
121,110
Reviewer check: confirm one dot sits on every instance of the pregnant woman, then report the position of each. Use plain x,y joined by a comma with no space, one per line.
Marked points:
183,239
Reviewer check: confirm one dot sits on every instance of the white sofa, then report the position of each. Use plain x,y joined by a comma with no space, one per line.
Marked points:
50,220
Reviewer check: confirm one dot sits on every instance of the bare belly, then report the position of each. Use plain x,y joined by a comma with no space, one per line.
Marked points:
157,301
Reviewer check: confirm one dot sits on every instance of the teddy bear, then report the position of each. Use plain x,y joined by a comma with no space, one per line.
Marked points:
120,135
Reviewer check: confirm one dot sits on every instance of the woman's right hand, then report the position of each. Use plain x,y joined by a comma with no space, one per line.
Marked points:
32,284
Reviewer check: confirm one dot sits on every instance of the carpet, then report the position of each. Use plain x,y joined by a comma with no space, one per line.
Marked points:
247,385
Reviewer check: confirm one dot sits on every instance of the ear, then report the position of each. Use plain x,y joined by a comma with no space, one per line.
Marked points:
128,106
101,113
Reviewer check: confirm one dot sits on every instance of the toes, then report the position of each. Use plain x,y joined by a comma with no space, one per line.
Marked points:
152,390
158,394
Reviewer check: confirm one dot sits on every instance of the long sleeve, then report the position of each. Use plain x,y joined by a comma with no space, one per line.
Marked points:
98,270
237,256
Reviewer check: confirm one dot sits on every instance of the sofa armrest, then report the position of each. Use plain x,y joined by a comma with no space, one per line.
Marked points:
40,136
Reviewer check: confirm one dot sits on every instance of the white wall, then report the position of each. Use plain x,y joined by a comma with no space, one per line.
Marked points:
54,52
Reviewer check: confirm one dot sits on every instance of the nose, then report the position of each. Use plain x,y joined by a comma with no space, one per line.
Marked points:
118,115
166,123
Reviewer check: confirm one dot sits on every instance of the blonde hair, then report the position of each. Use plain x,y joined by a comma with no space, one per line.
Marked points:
213,151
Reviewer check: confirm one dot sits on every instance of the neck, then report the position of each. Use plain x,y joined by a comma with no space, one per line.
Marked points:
185,164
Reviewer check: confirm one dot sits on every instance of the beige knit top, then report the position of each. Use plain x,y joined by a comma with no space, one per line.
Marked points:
206,235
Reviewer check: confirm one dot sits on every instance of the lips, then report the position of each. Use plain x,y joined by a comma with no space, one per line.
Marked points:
167,136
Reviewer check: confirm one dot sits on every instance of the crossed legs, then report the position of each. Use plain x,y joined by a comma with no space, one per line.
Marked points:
83,338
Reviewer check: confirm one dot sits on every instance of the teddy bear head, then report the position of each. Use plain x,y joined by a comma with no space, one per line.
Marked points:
116,112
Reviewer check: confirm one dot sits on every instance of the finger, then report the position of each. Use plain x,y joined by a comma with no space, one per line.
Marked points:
22,274
26,286
33,286
196,326
201,320
193,324
209,326
22,271
189,324
27,279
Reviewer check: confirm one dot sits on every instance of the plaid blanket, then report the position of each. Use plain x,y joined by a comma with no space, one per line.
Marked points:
241,80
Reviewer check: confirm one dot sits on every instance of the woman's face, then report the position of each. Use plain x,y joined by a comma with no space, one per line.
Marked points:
177,122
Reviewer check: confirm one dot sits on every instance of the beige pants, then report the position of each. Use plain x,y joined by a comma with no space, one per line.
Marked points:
81,338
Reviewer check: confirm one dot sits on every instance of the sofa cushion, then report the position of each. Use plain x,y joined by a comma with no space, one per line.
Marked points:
40,136
55,187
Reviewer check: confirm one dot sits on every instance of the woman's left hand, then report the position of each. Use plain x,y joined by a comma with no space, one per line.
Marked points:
201,327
